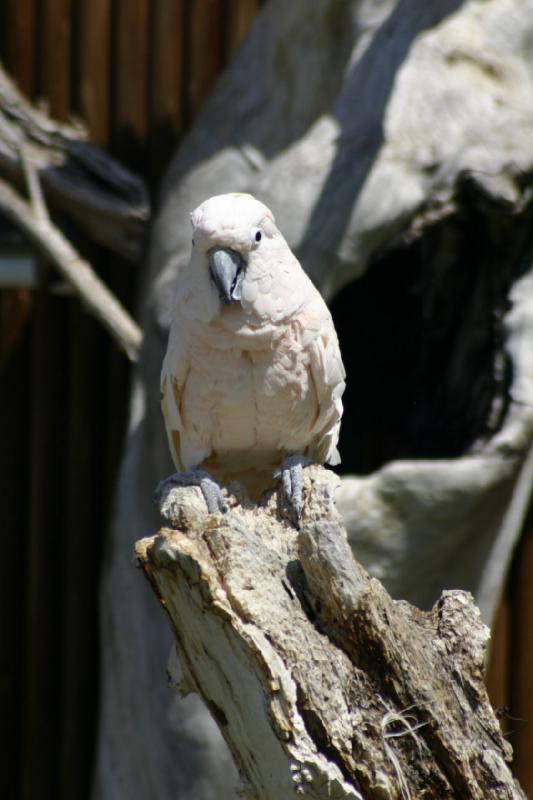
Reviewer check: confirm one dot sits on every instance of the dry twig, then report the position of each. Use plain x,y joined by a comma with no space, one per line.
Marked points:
33,220
106,201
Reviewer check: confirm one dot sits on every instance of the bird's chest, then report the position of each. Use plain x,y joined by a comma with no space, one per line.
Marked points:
252,394
265,378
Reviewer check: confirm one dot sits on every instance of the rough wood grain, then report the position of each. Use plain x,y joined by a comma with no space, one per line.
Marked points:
320,683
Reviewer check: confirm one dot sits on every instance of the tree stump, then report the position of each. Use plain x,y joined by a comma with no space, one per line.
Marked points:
321,684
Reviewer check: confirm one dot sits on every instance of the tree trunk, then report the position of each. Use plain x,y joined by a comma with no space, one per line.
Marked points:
319,682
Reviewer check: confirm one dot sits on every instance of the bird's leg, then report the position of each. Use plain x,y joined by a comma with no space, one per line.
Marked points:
291,472
210,489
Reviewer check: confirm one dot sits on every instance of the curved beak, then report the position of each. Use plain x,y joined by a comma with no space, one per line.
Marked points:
227,271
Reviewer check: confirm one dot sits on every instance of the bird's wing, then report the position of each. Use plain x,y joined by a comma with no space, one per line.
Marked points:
327,373
173,377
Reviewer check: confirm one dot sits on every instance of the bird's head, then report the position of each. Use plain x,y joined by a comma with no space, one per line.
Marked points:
233,235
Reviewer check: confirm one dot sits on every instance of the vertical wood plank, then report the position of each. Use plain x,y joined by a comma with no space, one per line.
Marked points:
46,498
85,521
94,89
165,57
166,81
54,61
206,50
19,42
14,396
130,91
130,125
84,526
42,710
498,668
521,700
15,309
239,16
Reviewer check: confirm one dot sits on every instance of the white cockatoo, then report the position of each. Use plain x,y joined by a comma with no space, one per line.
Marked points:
252,378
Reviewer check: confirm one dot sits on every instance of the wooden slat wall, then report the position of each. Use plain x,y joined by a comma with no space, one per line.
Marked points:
93,90
19,40
44,544
83,515
127,68
54,48
14,438
137,72
167,79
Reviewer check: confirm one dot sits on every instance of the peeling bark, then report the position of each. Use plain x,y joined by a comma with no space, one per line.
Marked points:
320,683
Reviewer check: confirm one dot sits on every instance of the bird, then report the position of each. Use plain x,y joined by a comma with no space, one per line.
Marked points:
252,379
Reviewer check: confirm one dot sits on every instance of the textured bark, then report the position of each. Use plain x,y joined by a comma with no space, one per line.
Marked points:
319,682
78,179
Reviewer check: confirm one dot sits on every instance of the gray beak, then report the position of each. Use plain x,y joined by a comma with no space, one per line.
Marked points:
227,271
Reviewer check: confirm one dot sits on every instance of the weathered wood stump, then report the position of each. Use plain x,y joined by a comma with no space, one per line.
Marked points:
321,684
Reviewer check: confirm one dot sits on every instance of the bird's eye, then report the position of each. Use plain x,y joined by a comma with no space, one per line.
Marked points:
192,242
257,234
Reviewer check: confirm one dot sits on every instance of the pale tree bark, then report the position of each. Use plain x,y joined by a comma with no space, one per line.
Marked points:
392,141
320,683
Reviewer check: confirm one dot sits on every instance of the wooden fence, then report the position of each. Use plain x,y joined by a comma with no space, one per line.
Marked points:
137,72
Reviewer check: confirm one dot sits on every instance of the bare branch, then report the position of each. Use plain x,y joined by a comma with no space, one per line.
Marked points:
33,183
52,244
89,186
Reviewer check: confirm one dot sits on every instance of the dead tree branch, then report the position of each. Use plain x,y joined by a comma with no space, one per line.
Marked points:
320,683
33,220
90,187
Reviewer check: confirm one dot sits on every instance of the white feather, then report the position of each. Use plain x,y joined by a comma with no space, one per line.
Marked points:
248,384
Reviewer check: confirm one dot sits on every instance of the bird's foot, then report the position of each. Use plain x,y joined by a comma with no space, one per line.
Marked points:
291,472
211,490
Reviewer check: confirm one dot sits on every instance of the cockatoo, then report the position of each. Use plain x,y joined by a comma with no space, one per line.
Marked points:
252,378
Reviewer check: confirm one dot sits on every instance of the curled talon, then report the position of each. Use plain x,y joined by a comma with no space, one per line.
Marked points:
291,472
211,490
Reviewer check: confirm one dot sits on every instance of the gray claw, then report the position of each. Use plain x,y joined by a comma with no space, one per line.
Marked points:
210,489
291,472
212,493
